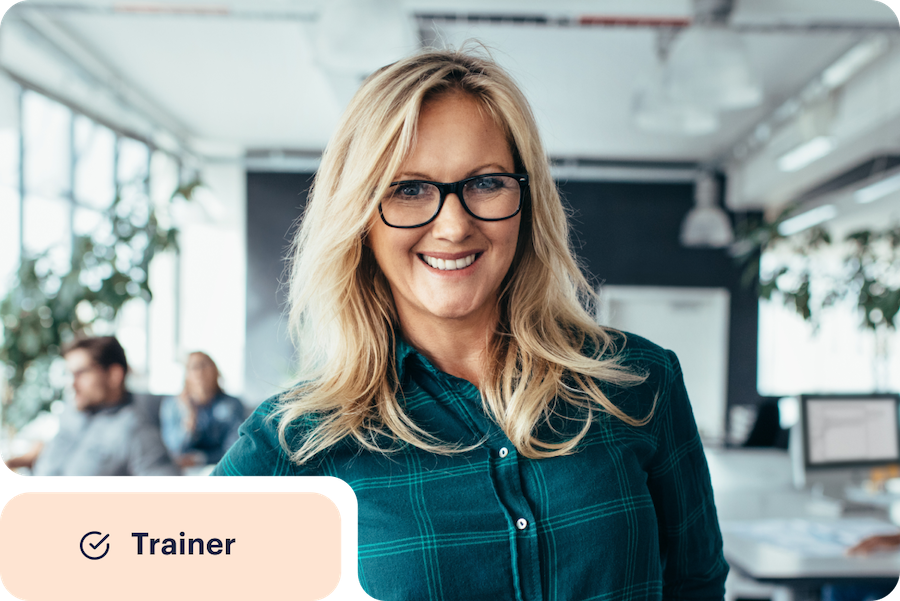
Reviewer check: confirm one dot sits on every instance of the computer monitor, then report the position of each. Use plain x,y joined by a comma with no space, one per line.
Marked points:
850,430
838,438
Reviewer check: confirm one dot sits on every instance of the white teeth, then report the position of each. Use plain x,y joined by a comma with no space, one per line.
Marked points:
449,264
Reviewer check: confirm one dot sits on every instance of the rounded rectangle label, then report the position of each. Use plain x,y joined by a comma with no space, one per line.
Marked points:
170,545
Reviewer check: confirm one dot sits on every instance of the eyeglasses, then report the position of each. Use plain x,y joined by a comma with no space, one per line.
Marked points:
488,197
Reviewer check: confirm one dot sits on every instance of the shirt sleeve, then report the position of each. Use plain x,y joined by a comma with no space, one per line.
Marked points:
257,451
678,480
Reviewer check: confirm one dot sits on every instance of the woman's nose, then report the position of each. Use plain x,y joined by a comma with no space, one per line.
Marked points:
453,223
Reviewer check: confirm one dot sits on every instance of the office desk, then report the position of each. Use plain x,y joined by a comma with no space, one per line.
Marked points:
755,484
805,575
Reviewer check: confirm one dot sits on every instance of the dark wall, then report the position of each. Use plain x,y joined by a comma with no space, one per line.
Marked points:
624,234
627,234
274,202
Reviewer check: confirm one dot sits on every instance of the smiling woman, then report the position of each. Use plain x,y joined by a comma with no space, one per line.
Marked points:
500,443
433,294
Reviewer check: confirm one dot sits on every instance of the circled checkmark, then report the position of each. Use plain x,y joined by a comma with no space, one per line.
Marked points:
94,546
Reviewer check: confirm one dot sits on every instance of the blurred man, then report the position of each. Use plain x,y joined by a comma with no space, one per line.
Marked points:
107,434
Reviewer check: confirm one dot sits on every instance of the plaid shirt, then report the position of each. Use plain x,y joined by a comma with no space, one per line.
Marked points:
629,516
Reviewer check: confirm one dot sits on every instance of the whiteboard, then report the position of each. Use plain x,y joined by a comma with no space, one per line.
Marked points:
692,322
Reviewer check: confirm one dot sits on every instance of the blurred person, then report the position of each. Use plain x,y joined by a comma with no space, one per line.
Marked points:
864,592
105,433
876,543
200,424
501,444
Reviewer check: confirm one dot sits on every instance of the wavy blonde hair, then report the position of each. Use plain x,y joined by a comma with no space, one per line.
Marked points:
342,313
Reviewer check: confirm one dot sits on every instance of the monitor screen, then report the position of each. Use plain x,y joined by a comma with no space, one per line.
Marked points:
851,430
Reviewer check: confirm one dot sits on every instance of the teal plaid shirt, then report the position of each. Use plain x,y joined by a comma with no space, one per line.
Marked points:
629,516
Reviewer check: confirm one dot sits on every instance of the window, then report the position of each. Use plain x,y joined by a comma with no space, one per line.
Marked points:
72,169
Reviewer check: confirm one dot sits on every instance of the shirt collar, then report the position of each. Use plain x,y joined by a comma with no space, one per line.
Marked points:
402,351
410,358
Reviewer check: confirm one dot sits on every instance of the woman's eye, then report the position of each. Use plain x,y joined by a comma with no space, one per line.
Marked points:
486,185
409,190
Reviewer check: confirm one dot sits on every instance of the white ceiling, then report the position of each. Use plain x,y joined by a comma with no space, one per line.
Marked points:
246,76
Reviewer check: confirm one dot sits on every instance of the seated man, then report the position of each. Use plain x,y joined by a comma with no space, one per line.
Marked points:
107,434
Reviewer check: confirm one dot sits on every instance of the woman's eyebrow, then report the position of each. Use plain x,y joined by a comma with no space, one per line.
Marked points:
417,175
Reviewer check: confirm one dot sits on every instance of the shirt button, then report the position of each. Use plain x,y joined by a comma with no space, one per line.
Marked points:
504,452
521,523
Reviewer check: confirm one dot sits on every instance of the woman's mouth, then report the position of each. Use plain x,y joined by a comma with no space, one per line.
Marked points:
449,264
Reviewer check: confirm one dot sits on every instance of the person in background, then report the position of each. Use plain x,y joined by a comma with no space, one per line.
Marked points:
864,592
873,544
201,423
107,433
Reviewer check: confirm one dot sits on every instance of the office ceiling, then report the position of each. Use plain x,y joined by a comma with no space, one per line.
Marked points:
239,75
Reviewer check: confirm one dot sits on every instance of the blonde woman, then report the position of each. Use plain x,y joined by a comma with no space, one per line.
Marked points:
500,443
201,423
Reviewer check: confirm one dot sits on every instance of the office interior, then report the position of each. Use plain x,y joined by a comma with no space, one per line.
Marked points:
717,158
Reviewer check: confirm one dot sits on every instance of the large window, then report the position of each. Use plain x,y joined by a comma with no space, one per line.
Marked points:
60,173
10,205
836,354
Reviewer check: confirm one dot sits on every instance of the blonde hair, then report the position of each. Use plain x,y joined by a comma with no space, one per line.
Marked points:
342,313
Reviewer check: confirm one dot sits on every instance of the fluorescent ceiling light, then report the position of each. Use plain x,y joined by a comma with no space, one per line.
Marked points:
806,153
853,61
879,189
807,220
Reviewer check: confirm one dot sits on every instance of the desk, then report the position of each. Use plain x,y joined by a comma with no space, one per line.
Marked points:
755,484
805,575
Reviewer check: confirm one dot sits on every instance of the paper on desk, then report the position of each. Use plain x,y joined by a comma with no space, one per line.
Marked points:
810,538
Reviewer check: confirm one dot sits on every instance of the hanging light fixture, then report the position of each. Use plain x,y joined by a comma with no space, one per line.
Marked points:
655,110
706,224
357,37
708,66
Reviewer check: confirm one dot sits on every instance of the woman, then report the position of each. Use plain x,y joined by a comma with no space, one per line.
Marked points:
201,423
501,445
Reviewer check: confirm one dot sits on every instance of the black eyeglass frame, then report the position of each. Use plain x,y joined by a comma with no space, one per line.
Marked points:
456,188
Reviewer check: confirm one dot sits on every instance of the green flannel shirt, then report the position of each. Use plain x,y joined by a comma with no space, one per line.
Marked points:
629,516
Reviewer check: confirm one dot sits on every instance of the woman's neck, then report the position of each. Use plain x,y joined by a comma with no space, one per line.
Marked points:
455,347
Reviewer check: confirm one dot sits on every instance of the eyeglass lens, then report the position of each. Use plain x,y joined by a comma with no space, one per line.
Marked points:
415,203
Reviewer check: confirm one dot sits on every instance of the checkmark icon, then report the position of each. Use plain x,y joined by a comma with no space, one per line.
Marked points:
94,546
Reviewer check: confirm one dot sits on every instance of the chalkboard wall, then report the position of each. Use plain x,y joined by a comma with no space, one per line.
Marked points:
623,233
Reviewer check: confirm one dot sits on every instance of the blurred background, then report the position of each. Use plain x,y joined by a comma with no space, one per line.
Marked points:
732,169
716,155
155,156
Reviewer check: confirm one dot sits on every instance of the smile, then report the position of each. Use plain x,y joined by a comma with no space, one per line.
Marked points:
449,264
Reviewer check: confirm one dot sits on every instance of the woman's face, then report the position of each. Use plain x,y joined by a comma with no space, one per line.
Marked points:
455,141
201,378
